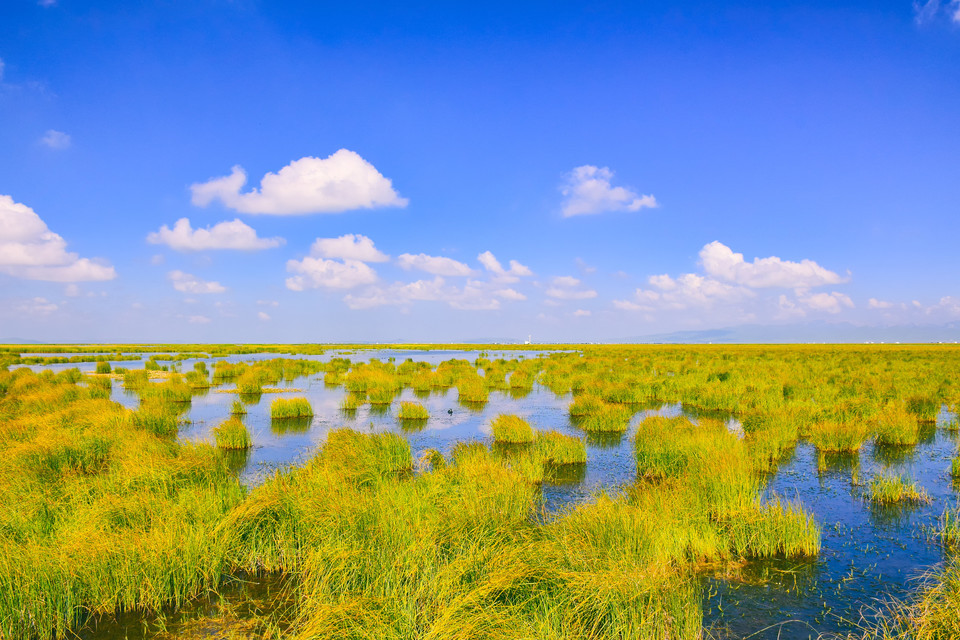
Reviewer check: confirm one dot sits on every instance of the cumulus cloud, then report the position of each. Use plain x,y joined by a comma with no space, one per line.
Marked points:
348,247
188,283
567,288
317,273
509,294
437,265
873,303
582,313
341,182
587,190
719,261
198,320
473,296
29,249
224,235
513,274
55,139
263,315
927,11
832,302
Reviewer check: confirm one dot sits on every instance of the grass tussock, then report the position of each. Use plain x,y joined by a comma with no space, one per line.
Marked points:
897,426
232,434
285,408
832,436
511,429
412,411
889,488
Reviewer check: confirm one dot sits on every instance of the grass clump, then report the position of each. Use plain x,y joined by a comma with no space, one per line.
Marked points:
238,408
587,405
611,419
832,436
888,488
511,429
283,408
897,426
412,411
557,448
232,434
103,367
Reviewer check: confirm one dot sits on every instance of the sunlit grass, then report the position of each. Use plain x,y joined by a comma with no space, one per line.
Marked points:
232,434
511,429
283,408
889,488
412,411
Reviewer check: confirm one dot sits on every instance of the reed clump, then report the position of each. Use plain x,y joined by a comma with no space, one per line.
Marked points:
238,408
831,436
611,419
897,426
559,449
284,408
232,434
412,411
511,429
888,488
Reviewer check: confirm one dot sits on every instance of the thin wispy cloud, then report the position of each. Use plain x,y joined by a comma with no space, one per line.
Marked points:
56,139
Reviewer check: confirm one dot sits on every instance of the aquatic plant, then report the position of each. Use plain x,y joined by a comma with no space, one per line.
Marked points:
896,425
511,429
889,488
232,434
103,367
836,436
610,420
412,411
556,448
238,408
283,408
587,405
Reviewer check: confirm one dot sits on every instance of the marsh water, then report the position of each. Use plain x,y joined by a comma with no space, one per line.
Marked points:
869,554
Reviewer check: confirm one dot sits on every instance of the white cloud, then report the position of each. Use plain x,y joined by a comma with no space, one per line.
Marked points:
626,305
263,316
583,266
71,290
28,249
314,273
565,281
719,261
268,303
224,235
565,288
588,191
198,320
688,290
348,247
509,294
437,265
873,303
581,313
342,182
2,67
187,283
924,12
37,306
513,274
473,296
832,302
663,282
55,139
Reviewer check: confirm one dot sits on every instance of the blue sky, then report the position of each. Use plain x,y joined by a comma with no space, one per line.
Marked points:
369,172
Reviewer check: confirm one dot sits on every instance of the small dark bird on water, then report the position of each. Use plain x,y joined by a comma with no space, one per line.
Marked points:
450,411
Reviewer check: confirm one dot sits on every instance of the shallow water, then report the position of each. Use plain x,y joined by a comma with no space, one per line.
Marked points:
869,553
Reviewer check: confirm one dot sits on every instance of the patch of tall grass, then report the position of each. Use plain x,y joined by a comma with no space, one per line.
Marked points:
284,408
896,426
837,436
412,411
232,434
890,488
511,429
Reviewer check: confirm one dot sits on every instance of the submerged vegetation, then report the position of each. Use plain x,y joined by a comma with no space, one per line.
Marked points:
108,511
